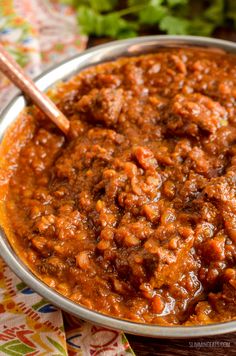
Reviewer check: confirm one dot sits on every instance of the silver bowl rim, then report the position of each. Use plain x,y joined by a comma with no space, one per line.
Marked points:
64,71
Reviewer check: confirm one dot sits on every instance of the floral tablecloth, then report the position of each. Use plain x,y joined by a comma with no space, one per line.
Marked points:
38,34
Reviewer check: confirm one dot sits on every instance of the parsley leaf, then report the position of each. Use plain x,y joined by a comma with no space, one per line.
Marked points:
88,19
111,25
127,18
152,14
174,25
173,3
200,27
103,5
138,2
215,12
231,10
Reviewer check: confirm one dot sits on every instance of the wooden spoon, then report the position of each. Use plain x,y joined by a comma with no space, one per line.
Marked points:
16,75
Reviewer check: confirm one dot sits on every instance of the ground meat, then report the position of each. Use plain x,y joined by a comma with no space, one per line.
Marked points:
101,105
134,214
192,112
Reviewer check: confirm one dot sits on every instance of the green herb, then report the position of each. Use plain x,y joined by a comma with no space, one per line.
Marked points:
183,17
231,11
174,25
153,13
215,12
111,24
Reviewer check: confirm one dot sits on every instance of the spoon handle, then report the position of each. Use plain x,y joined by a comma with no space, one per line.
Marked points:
16,75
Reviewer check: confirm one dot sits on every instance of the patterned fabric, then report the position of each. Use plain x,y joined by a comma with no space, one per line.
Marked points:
38,34
30,326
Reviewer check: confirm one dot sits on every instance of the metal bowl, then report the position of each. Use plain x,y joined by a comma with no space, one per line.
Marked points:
62,72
